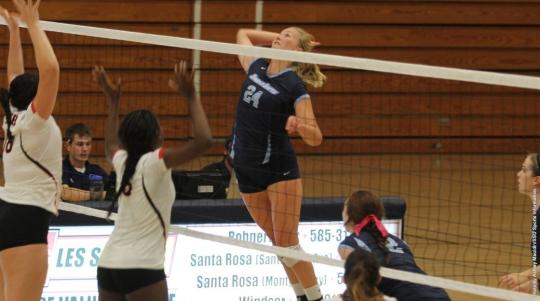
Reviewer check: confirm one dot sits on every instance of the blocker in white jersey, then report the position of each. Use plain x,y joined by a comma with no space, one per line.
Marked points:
138,227
131,265
32,161
32,157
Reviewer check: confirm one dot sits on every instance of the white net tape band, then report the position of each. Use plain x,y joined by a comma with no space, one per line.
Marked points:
518,81
389,273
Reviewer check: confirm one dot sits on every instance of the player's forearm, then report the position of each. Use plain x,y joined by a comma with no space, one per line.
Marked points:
111,133
45,58
15,55
311,134
257,37
201,129
49,71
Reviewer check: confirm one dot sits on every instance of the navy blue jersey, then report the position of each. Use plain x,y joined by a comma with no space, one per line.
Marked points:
399,257
80,180
266,102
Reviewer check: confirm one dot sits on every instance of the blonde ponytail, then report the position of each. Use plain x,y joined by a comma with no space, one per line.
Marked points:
309,73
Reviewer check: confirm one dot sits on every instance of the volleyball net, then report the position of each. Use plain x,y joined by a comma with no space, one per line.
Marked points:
448,141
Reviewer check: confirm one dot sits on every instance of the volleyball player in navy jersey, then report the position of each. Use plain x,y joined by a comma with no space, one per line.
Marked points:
131,266
32,157
362,214
528,179
273,103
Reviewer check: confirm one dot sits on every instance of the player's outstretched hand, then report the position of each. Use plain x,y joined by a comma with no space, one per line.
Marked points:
182,81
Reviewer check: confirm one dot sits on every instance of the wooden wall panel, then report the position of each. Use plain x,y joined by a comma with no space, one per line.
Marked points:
479,58
111,11
228,12
352,82
173,127
324,104
92,104
168,29
148,57
402,12
381,146
176,127
379,12
131,11
420,36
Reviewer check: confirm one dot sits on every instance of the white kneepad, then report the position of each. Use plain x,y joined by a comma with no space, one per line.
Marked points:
290,262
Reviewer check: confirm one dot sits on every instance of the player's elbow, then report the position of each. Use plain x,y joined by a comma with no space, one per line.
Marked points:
49,75
50,69
207,143
204,143
241,35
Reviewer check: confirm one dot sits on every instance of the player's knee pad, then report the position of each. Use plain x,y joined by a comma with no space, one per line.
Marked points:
290,262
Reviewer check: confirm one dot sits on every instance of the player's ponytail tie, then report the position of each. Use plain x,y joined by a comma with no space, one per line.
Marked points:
366,221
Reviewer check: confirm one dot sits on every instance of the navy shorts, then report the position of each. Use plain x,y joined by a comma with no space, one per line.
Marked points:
125,281
22,225
257,177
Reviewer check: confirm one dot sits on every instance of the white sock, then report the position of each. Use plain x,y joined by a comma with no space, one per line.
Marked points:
314,292
298,289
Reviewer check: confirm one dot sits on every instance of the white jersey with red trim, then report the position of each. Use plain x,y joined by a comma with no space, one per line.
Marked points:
25,182
137,239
